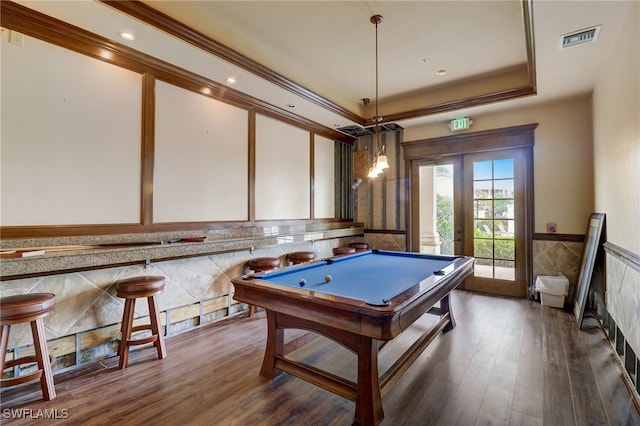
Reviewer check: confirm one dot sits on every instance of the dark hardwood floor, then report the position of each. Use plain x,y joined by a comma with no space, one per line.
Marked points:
508,362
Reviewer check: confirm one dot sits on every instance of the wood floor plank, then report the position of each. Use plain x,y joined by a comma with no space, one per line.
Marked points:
498,397
432,408
558,398
415,397
528,394
587,402
518,419
464,406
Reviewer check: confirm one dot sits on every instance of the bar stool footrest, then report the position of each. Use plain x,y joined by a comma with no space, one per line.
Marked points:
141,328
22,360
36,375
142,341
27,377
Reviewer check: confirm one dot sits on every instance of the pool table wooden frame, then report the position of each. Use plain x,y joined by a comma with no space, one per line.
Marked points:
360,327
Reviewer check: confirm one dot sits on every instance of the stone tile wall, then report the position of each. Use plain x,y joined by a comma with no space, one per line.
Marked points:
380,241
557,257
623,298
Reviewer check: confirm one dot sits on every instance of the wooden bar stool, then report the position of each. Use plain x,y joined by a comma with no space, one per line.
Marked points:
341,251
262,264
360,246
300,257
132,289
31,308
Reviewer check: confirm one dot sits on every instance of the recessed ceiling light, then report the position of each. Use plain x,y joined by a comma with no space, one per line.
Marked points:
441,72
231,80
127,36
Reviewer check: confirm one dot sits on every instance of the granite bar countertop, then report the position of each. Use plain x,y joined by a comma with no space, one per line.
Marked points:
81,253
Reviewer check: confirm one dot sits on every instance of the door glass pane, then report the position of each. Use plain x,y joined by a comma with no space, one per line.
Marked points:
483,248
502,169
483,268
504,228
503,188
504,250
483,208
504,270
482,189
494,219
503,209
482,170
436,209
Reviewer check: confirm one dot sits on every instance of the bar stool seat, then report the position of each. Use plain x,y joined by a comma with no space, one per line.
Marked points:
341,251
301,257
360,246
131,289
262,264
31,308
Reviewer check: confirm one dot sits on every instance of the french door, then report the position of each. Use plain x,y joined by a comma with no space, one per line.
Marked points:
494,207
476,204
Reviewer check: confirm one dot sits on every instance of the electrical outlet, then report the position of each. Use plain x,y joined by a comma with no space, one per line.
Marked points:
16,38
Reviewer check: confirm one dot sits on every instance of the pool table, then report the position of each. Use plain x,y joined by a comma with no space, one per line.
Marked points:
360,301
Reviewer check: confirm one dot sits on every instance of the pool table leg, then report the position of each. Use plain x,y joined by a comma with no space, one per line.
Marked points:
445,307
368,399
275,347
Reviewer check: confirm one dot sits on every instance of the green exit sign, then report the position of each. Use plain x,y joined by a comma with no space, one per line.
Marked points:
460,124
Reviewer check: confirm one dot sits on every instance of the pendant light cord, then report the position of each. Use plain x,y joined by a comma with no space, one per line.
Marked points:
379,159
377,19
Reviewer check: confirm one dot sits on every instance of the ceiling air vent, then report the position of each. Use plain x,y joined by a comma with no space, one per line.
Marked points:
357,131
579,37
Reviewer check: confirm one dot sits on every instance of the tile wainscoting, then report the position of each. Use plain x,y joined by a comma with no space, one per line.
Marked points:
86,322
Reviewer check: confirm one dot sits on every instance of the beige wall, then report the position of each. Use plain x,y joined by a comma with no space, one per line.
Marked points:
616,130
563,158
69,121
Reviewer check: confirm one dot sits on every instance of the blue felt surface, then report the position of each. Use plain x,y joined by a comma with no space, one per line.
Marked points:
370,276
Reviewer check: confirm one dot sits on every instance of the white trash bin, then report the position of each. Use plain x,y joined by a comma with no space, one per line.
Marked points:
552,289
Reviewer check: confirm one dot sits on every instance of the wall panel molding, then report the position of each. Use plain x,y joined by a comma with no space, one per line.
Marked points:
574,238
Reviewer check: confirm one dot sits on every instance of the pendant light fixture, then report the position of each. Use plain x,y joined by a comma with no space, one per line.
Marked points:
380,159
